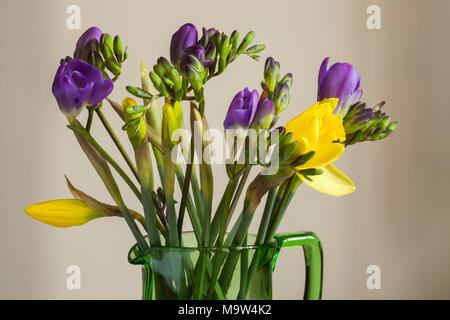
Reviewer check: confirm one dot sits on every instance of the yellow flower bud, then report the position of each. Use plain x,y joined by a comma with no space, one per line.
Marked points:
137,132
62,213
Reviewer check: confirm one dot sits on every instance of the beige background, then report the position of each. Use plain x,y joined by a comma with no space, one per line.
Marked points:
397,219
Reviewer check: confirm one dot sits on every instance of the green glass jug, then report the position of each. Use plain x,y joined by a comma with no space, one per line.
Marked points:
189,272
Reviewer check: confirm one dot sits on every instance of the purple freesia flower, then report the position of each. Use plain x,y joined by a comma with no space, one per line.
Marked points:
339,81
184,38
77,84
88,35
242,110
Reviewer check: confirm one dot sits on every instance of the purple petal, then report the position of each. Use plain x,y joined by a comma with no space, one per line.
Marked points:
340,82
238,101
79,79
323,71
253,105
184,38
237,119
88,35
100,91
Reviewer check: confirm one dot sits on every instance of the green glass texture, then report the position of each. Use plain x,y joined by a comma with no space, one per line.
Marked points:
223,273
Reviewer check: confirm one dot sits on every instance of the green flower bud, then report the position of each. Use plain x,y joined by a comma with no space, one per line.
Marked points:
245,42
224,47
210,51
135,124
158,83
358,121
165,64
138,92
303,159
159,70
107,52
255,49
271,73
194,71
168,82
175,77
287,79
234,41
355,138
118,48
96,60
112,66
281,98
170,123
107,40
384,122
311,172
392,126
195,78
357,107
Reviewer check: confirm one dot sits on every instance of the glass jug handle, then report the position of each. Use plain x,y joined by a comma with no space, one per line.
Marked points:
312,249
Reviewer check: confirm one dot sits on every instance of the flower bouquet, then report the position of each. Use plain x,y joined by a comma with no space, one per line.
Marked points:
217,259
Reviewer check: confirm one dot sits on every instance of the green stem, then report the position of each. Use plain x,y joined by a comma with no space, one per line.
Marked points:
150,217
89,120
259,240
133,227
266,216
117,142
197,195
238,193
111,161
185,190
217,220
244,269
97,157
293,183
196,224
223,228
238,238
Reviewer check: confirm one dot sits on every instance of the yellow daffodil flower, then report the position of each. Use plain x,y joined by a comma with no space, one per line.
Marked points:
315,130
62,213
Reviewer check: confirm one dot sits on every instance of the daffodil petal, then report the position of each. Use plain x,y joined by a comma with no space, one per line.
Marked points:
309,136
331,181
62,213
325,155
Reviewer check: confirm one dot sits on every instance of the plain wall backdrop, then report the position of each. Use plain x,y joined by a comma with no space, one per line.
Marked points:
398,218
